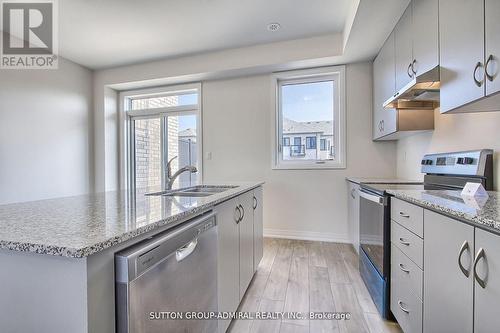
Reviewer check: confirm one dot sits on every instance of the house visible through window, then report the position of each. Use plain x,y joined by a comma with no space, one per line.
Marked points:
164,126
322,144
311,142
310,108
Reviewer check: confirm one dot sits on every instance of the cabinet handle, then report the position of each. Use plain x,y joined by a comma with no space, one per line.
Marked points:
383,126
254,202
243,214
402,267
413,66
237,211
488,75
408,71
404,215
352,193
403,308
480,254
463,248
476,81
403,241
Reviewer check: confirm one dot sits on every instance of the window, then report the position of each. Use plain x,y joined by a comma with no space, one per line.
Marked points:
286,141
322,144
311,142
310,104
163,125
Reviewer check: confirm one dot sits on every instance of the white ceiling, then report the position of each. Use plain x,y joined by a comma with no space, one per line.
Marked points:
106,33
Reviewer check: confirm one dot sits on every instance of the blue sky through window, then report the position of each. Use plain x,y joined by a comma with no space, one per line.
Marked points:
186,122
308,101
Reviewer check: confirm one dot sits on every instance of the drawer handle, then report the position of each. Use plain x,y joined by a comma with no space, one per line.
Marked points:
480,254
463,248
403,241
404,215
402,307
402,267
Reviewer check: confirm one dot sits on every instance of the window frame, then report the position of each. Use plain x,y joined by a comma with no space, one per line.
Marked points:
127,123
286,142
311,139
331,73
321,141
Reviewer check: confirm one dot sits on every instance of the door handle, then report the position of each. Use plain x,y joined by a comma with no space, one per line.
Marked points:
243,213
400,303
476,81
413,66
237,214
480,254
489,76
255,202
463,248
403,241
408,71
184,252
404,215
402,267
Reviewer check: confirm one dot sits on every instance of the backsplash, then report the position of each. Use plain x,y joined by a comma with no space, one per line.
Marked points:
452,132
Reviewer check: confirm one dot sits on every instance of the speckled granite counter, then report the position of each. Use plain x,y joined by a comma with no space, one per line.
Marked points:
83,225
359,180
481,213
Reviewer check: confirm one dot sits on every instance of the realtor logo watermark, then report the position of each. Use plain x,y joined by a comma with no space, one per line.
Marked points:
29,38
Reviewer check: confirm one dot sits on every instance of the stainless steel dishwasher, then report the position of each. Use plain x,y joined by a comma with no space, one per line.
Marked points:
166,275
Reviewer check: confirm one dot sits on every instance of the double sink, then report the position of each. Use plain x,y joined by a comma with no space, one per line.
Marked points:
194,191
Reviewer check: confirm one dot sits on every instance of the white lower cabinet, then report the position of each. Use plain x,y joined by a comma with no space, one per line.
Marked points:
353,213
258,227
487,282
239,240
448,278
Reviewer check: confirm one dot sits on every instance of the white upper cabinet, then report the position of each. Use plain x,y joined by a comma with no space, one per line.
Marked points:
492,38
425,33
384,86
461,41
404,49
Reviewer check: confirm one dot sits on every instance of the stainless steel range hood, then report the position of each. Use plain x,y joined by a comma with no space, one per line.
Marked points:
420,93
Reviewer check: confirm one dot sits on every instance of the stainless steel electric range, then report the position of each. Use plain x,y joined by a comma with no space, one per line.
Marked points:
449,171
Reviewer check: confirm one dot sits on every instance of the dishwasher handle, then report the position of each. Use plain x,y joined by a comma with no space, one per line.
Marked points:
184,252
372,197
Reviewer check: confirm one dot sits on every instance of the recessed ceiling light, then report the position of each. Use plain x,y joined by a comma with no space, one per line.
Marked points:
273,27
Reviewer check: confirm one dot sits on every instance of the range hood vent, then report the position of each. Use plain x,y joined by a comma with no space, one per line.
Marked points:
420,93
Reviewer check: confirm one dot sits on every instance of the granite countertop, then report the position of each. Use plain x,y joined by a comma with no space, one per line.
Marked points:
80,226
367,180
481,212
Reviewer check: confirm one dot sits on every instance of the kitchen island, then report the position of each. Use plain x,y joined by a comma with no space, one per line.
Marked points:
57,255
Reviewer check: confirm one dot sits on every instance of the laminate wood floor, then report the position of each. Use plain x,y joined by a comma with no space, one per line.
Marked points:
304,276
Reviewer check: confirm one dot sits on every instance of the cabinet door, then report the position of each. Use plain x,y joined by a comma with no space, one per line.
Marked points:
258,227
425,32
492,38
403,47
384,87
448,292
246,241
228,259
487,299
353,213
461,43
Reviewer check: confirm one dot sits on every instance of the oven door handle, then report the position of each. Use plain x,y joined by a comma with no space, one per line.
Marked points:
371,197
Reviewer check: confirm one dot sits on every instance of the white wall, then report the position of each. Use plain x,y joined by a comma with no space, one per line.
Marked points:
46,129
452,132
312,203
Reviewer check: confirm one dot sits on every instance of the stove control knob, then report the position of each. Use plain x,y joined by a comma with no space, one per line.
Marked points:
460,160
426,162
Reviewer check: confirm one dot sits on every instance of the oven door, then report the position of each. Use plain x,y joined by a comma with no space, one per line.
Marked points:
373,230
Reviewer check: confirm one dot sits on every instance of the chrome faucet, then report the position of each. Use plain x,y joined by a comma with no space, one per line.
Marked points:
170,179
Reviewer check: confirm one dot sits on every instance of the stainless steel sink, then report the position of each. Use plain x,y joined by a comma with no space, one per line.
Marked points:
194,191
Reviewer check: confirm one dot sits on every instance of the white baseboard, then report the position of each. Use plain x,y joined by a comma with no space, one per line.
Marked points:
307,235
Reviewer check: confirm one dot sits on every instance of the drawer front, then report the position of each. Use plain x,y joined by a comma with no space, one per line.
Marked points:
408,215
409,243
405,273
407,309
